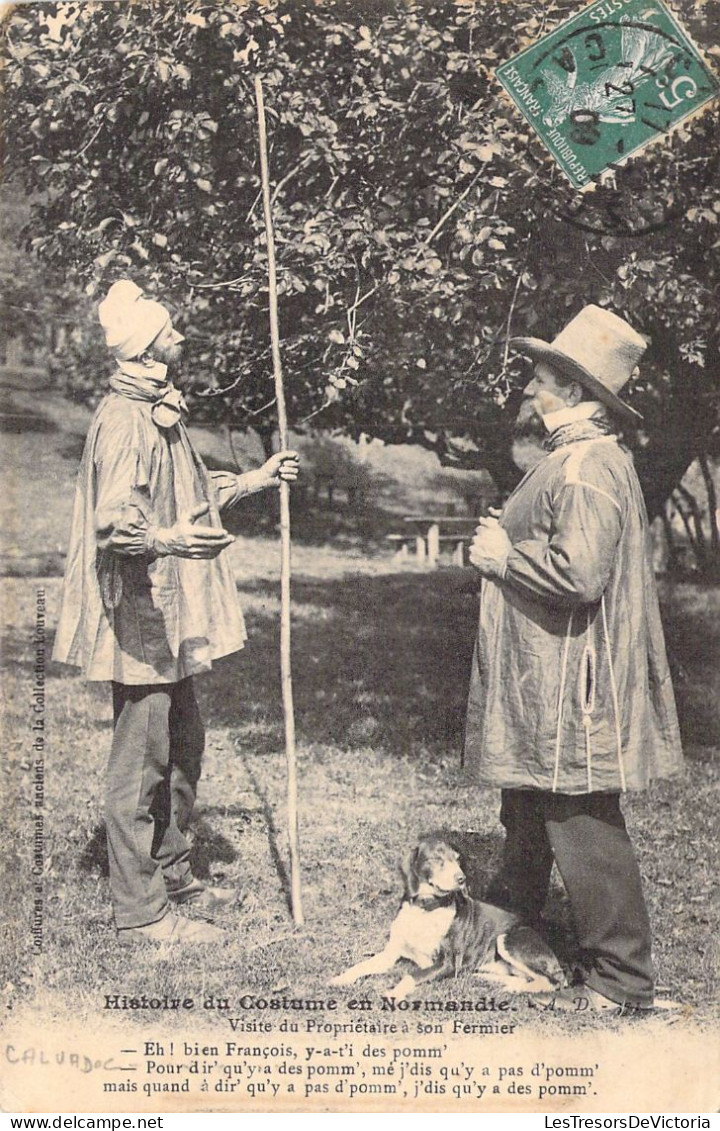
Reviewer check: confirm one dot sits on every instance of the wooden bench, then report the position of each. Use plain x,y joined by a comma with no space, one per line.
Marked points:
404,542
425,532
458,542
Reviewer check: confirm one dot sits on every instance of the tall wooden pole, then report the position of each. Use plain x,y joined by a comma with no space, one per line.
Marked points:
285,667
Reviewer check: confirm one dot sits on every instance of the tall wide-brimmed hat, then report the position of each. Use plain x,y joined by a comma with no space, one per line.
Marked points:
130,320
598,349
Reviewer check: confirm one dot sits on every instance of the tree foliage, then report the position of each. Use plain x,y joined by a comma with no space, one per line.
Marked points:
418,223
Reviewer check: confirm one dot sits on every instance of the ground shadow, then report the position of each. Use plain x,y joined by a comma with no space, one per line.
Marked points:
271,829
20,421
94,856
73,449
208,848
693,647
384,662
49,564
380,661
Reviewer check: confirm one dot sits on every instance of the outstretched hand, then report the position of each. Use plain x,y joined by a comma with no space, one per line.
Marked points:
187,540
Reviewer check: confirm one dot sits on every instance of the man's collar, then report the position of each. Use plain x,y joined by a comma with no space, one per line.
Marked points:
140,382
582,411
156,372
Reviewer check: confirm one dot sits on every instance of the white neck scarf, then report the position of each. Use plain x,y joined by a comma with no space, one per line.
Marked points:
582,411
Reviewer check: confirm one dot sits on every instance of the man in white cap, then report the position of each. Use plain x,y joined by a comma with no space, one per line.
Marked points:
149,600
571,702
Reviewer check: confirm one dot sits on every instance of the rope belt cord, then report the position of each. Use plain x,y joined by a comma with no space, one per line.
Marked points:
561,697
613,688
588,670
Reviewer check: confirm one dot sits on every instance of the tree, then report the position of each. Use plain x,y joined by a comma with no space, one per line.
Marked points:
418,222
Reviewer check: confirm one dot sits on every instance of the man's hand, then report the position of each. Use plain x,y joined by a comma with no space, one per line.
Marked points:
282,467
490,548
186,540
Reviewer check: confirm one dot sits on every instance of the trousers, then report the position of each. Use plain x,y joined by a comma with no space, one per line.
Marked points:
586,836
152,777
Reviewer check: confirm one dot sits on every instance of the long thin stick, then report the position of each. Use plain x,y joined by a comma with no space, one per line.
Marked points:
285,668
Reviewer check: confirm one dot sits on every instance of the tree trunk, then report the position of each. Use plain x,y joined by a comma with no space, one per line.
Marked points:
267,433
700,541
227,428
669,541
712,511
686,523
661,469
681,429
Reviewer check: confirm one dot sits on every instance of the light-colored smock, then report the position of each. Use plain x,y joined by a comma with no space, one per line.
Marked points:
570,688
126,615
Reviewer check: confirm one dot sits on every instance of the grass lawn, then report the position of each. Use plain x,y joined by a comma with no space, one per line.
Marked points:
381,663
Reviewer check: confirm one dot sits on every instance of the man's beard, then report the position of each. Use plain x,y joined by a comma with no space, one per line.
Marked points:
172,357
528,423
169,355
529,433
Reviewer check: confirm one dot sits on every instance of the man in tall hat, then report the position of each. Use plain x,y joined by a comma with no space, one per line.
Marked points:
571,703
149,601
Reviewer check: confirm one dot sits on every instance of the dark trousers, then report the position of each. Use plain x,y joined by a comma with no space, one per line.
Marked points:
152,781
587,838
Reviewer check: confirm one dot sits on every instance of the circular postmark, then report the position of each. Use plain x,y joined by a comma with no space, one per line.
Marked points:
608,83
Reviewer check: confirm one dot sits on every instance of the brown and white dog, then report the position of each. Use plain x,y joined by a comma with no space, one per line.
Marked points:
443,930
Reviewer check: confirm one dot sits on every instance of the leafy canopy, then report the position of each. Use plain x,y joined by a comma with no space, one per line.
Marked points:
418,223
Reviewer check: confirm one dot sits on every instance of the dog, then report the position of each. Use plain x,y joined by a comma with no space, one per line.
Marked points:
443,930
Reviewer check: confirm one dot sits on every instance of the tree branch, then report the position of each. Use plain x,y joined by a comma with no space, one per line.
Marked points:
352,311
280,185
92,139
217,286
514,300
289,176
316,412
446,215
364,298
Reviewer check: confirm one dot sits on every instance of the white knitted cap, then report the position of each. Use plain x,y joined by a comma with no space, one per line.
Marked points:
130,321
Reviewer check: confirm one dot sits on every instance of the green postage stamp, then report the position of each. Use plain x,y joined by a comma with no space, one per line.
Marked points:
607,82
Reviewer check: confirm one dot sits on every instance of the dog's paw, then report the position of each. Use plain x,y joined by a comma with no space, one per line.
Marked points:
344,979
539,985
404,987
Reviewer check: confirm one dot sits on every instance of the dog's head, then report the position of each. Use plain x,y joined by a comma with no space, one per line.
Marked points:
433,868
